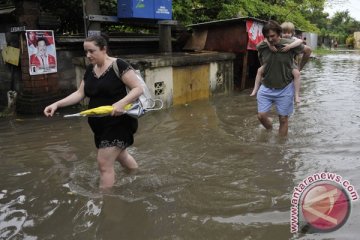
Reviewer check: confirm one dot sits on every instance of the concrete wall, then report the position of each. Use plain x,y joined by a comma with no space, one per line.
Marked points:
357,40
67,74
34,94
311,39
37,91
5,81
181,78
66,77
160,83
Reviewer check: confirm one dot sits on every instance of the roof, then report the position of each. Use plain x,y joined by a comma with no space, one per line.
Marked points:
112,39
6,9
225,21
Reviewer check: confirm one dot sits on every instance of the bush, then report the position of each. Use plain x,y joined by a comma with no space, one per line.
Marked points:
350,42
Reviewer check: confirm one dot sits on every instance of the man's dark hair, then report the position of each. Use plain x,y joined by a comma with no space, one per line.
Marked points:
271,25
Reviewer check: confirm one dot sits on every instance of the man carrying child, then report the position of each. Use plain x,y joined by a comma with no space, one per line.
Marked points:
278,74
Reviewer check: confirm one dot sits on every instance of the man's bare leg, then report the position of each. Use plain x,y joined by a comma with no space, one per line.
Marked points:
265,120
284,125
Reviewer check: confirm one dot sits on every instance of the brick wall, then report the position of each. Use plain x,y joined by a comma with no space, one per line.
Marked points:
34,90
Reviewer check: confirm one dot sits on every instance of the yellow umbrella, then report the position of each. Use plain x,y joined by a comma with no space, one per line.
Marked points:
99,111
134,109
103,111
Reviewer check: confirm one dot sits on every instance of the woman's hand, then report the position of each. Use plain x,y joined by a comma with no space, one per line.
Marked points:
119,108
50,110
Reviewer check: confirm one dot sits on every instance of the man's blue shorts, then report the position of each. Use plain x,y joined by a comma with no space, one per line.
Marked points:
283,99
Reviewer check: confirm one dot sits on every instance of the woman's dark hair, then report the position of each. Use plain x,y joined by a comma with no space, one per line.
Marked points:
271,26
100,40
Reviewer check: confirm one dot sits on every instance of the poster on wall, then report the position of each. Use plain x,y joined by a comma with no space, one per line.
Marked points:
42,51
255,35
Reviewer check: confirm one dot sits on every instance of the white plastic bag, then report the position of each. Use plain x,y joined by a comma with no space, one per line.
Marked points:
146,102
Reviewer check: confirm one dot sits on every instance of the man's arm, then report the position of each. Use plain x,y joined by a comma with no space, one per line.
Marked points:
260,59
305,58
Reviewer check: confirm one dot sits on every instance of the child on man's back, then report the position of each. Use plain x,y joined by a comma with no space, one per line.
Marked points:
288,31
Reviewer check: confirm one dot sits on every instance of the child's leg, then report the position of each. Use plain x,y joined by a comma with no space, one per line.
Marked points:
257,80
296,74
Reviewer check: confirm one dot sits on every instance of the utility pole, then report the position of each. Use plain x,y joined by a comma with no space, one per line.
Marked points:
91,7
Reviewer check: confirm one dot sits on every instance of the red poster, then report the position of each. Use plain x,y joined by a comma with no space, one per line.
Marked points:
42,51
255,35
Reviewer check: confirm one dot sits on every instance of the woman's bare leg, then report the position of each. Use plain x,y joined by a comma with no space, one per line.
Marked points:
106,158
126,160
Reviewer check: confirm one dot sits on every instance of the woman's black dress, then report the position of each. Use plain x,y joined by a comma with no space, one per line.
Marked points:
106,90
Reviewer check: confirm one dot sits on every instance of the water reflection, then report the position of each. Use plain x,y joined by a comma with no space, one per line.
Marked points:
208,170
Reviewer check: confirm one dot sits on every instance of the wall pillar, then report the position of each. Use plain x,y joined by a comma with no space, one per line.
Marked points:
35,91
357,40
165,42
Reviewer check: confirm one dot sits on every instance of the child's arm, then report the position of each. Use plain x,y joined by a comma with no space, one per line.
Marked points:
272,48
294,44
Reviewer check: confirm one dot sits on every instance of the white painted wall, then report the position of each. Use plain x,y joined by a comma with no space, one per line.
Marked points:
162,74
213,78
311,39
357,40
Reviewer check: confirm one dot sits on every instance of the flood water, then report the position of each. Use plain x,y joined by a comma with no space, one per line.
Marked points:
208,170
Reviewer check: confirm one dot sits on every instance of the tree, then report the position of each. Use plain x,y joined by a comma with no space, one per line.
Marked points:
70,13
307,15
280,10
342,25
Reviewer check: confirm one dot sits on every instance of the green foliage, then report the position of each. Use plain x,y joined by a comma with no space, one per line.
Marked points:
240,8
108,8
280,10
307,15
322,51
341,25
350,40
68,11
183,11
126,29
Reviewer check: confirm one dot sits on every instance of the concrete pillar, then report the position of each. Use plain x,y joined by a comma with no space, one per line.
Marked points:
35,91
357,40
91,7
165,41
28,13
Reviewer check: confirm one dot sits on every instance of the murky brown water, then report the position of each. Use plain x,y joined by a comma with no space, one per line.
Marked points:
207,170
